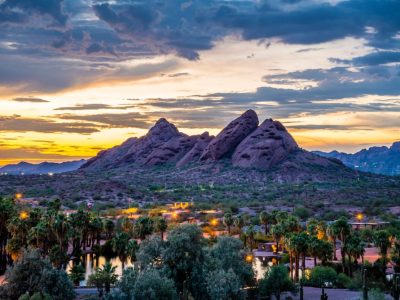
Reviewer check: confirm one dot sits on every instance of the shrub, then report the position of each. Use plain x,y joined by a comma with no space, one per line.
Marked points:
343,281
326,276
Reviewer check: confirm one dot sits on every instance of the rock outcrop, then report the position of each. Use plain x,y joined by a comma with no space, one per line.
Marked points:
268,145
242,142
226,141
194,154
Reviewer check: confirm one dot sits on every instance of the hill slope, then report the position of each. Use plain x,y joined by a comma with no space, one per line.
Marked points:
42,168
379,160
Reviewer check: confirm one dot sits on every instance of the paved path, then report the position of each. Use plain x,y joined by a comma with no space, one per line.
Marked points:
333,294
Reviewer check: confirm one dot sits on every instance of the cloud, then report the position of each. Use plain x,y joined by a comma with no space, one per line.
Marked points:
131,119
93,106
373,59
20,11
30,99
17,123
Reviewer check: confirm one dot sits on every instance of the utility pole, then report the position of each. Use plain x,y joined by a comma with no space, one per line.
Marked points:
302,283
396,286
365,289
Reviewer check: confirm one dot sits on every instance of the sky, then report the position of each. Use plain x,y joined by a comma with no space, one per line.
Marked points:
79,76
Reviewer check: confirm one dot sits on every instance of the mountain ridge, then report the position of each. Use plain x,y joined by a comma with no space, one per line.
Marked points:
377,159
42,168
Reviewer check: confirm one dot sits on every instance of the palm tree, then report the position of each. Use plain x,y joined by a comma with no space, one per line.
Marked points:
239,223
332,238
161,226
132,248
312,227
228,221
109,227
96,228
77,274
355,249
120,244
382,241
277,232
143,227
60,229
342,230
289,245
265,219
103,278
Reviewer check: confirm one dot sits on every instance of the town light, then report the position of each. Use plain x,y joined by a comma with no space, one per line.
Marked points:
249,258
18,195
360,216
23,215
214,222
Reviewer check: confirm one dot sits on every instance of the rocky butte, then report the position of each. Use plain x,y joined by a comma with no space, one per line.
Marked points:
243,142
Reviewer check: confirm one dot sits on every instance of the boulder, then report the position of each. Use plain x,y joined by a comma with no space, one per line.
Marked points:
194,154
268,145
224,144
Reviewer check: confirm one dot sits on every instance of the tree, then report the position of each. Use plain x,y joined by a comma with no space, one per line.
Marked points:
228,253
354,248
31,274
152,285
60,229
161,226
275,282
109,227
96,228
381,240
77,274
319,249
103,278
239,223
7,210
342,230
332,238
184,253
228,221
120,243
224,285
322,276
143,227
265,219
150,252
277,232
127,282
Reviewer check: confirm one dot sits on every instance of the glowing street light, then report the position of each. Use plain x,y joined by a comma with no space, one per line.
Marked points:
360,216
23,215
214,222
18,195
249,258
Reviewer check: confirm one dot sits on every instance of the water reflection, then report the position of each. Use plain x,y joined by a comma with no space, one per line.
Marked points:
91,262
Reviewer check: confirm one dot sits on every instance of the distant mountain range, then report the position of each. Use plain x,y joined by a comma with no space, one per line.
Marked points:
42,168
379,160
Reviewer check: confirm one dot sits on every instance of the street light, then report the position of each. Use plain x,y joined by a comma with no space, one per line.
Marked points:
396,286
23,215
18,195
365,289
360,216
249,258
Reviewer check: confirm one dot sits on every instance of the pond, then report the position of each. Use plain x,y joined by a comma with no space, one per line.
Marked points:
260,266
